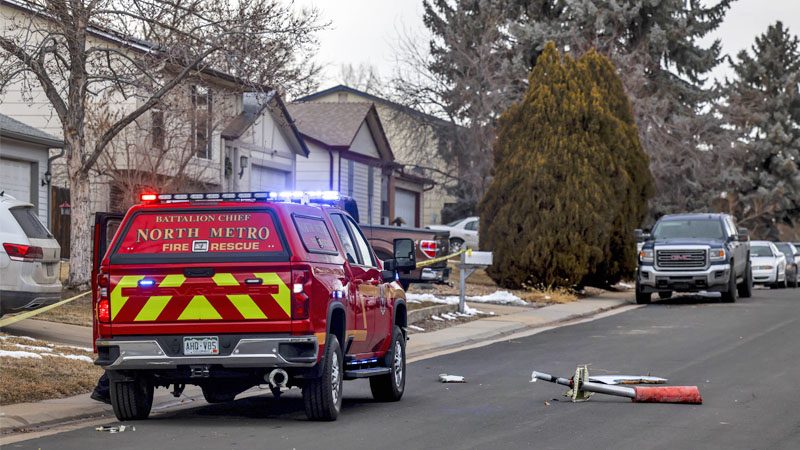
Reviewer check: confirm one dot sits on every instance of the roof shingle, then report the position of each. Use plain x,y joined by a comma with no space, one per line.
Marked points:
13,128
334,124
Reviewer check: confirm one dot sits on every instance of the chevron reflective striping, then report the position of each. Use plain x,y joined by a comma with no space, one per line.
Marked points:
225,279
116,298
283,296
152,308
246,306
199,308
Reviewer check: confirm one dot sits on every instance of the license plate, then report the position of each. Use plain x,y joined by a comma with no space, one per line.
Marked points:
201,345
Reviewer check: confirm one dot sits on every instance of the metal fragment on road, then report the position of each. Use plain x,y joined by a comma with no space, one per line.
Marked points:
115,429
445,378
627,379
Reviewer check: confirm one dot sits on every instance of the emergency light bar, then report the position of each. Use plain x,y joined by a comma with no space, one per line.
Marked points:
303,197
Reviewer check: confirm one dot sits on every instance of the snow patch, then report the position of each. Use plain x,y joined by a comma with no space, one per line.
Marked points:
33,348
26,338
437,318
416,328
77,357
19,354
498,297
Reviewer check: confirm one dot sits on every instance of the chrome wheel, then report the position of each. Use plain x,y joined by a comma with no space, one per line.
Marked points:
398,364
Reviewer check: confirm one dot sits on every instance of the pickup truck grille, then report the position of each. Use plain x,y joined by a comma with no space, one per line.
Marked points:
681,259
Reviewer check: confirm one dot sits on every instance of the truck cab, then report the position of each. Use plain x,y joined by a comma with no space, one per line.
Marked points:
227,291
694,253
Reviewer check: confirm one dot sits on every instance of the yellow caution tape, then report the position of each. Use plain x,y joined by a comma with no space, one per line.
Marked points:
433,261
27,315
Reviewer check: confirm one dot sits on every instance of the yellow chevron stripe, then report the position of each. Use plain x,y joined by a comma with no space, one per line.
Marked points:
152,308
173,280
247,307
283,297
199,308
116,298
225,279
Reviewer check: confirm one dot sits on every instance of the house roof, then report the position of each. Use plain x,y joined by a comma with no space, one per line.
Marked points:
333,124
253,107
374,98
14,129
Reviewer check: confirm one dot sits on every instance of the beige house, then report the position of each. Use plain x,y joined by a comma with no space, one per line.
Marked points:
413,140
350,153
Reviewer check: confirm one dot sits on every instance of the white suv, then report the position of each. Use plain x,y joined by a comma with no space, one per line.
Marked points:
30,259
462,232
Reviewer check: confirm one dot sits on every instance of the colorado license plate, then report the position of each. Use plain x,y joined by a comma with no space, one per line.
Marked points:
201,345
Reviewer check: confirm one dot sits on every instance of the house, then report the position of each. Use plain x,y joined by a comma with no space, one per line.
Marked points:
212,132
350,153
24,164
414,140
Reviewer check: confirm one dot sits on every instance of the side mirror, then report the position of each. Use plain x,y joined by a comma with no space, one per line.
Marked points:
641,235
744,235
388,276
405,256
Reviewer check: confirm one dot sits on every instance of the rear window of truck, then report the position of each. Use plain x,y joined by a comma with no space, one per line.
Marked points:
200,235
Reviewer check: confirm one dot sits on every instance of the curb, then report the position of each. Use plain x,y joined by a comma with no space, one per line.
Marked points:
431,352
418,315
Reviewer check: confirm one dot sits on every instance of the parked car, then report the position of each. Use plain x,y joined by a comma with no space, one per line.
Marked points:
30,259
462,232
792,254
693,253
769,264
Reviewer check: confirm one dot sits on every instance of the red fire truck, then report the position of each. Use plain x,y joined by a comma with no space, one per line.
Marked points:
227,291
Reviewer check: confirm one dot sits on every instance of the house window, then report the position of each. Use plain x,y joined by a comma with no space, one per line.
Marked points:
201,121
157,128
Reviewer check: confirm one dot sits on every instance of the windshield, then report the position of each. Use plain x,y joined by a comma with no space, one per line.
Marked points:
702,229
760,250
454,223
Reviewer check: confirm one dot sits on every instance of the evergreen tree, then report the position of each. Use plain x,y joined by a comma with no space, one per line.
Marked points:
764,111
561,178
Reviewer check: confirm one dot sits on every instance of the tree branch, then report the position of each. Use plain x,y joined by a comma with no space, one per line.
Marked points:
38,69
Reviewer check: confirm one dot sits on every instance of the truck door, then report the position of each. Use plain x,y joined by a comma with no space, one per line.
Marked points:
105,227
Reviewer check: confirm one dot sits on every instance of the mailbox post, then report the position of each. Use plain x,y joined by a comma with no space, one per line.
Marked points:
469,262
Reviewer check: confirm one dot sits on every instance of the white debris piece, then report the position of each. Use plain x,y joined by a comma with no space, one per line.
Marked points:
437,318
416,328
627,379
445,378
19,354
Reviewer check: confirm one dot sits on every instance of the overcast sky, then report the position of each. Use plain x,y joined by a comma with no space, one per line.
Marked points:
367,31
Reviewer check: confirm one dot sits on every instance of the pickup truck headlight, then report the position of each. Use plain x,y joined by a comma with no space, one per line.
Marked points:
763,267
716,254
646,255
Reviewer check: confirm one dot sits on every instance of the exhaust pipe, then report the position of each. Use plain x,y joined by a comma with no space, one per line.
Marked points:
277,378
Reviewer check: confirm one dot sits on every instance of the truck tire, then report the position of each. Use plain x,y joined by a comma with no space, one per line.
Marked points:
746,287
665,295
322,397
132,400
390,387
642,298
730,295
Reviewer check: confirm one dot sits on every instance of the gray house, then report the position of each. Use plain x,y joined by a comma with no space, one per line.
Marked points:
24,153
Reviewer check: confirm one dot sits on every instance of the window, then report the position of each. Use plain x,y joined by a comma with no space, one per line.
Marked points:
471,226
157,128
201,121
344,237
315,235
363,246
29,222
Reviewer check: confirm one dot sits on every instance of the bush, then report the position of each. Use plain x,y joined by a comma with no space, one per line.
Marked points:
558,211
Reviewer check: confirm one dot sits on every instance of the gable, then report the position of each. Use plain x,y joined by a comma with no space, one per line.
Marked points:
364,143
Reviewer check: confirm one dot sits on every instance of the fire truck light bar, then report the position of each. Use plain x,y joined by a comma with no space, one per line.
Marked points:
283,196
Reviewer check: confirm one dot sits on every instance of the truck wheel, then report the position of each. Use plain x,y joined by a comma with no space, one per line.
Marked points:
132,400
665,295
730,295
642,298
322,396
746,288
390,387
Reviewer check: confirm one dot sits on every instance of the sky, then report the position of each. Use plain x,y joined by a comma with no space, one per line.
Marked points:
368,31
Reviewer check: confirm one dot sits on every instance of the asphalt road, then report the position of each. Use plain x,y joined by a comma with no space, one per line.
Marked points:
744,357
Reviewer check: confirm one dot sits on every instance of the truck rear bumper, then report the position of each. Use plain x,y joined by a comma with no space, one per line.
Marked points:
248,352
715,278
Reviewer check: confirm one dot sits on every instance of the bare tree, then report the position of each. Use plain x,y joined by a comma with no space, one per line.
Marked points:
136,52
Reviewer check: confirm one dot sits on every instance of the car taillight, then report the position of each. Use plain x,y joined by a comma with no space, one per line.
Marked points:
428,248
21,252
103,305
300,300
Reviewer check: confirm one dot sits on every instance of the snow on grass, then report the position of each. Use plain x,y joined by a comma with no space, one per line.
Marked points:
415,328
75,357
33,348
437,318
19,354
497,297
24,338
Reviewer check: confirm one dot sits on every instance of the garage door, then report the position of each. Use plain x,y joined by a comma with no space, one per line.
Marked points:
15,178
405,206
268,179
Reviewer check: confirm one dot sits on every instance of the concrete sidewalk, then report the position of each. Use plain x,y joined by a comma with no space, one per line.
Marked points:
507,321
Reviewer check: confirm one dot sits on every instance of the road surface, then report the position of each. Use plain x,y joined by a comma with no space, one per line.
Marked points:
744,357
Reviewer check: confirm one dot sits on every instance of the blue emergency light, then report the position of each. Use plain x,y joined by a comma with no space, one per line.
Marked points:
304,197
